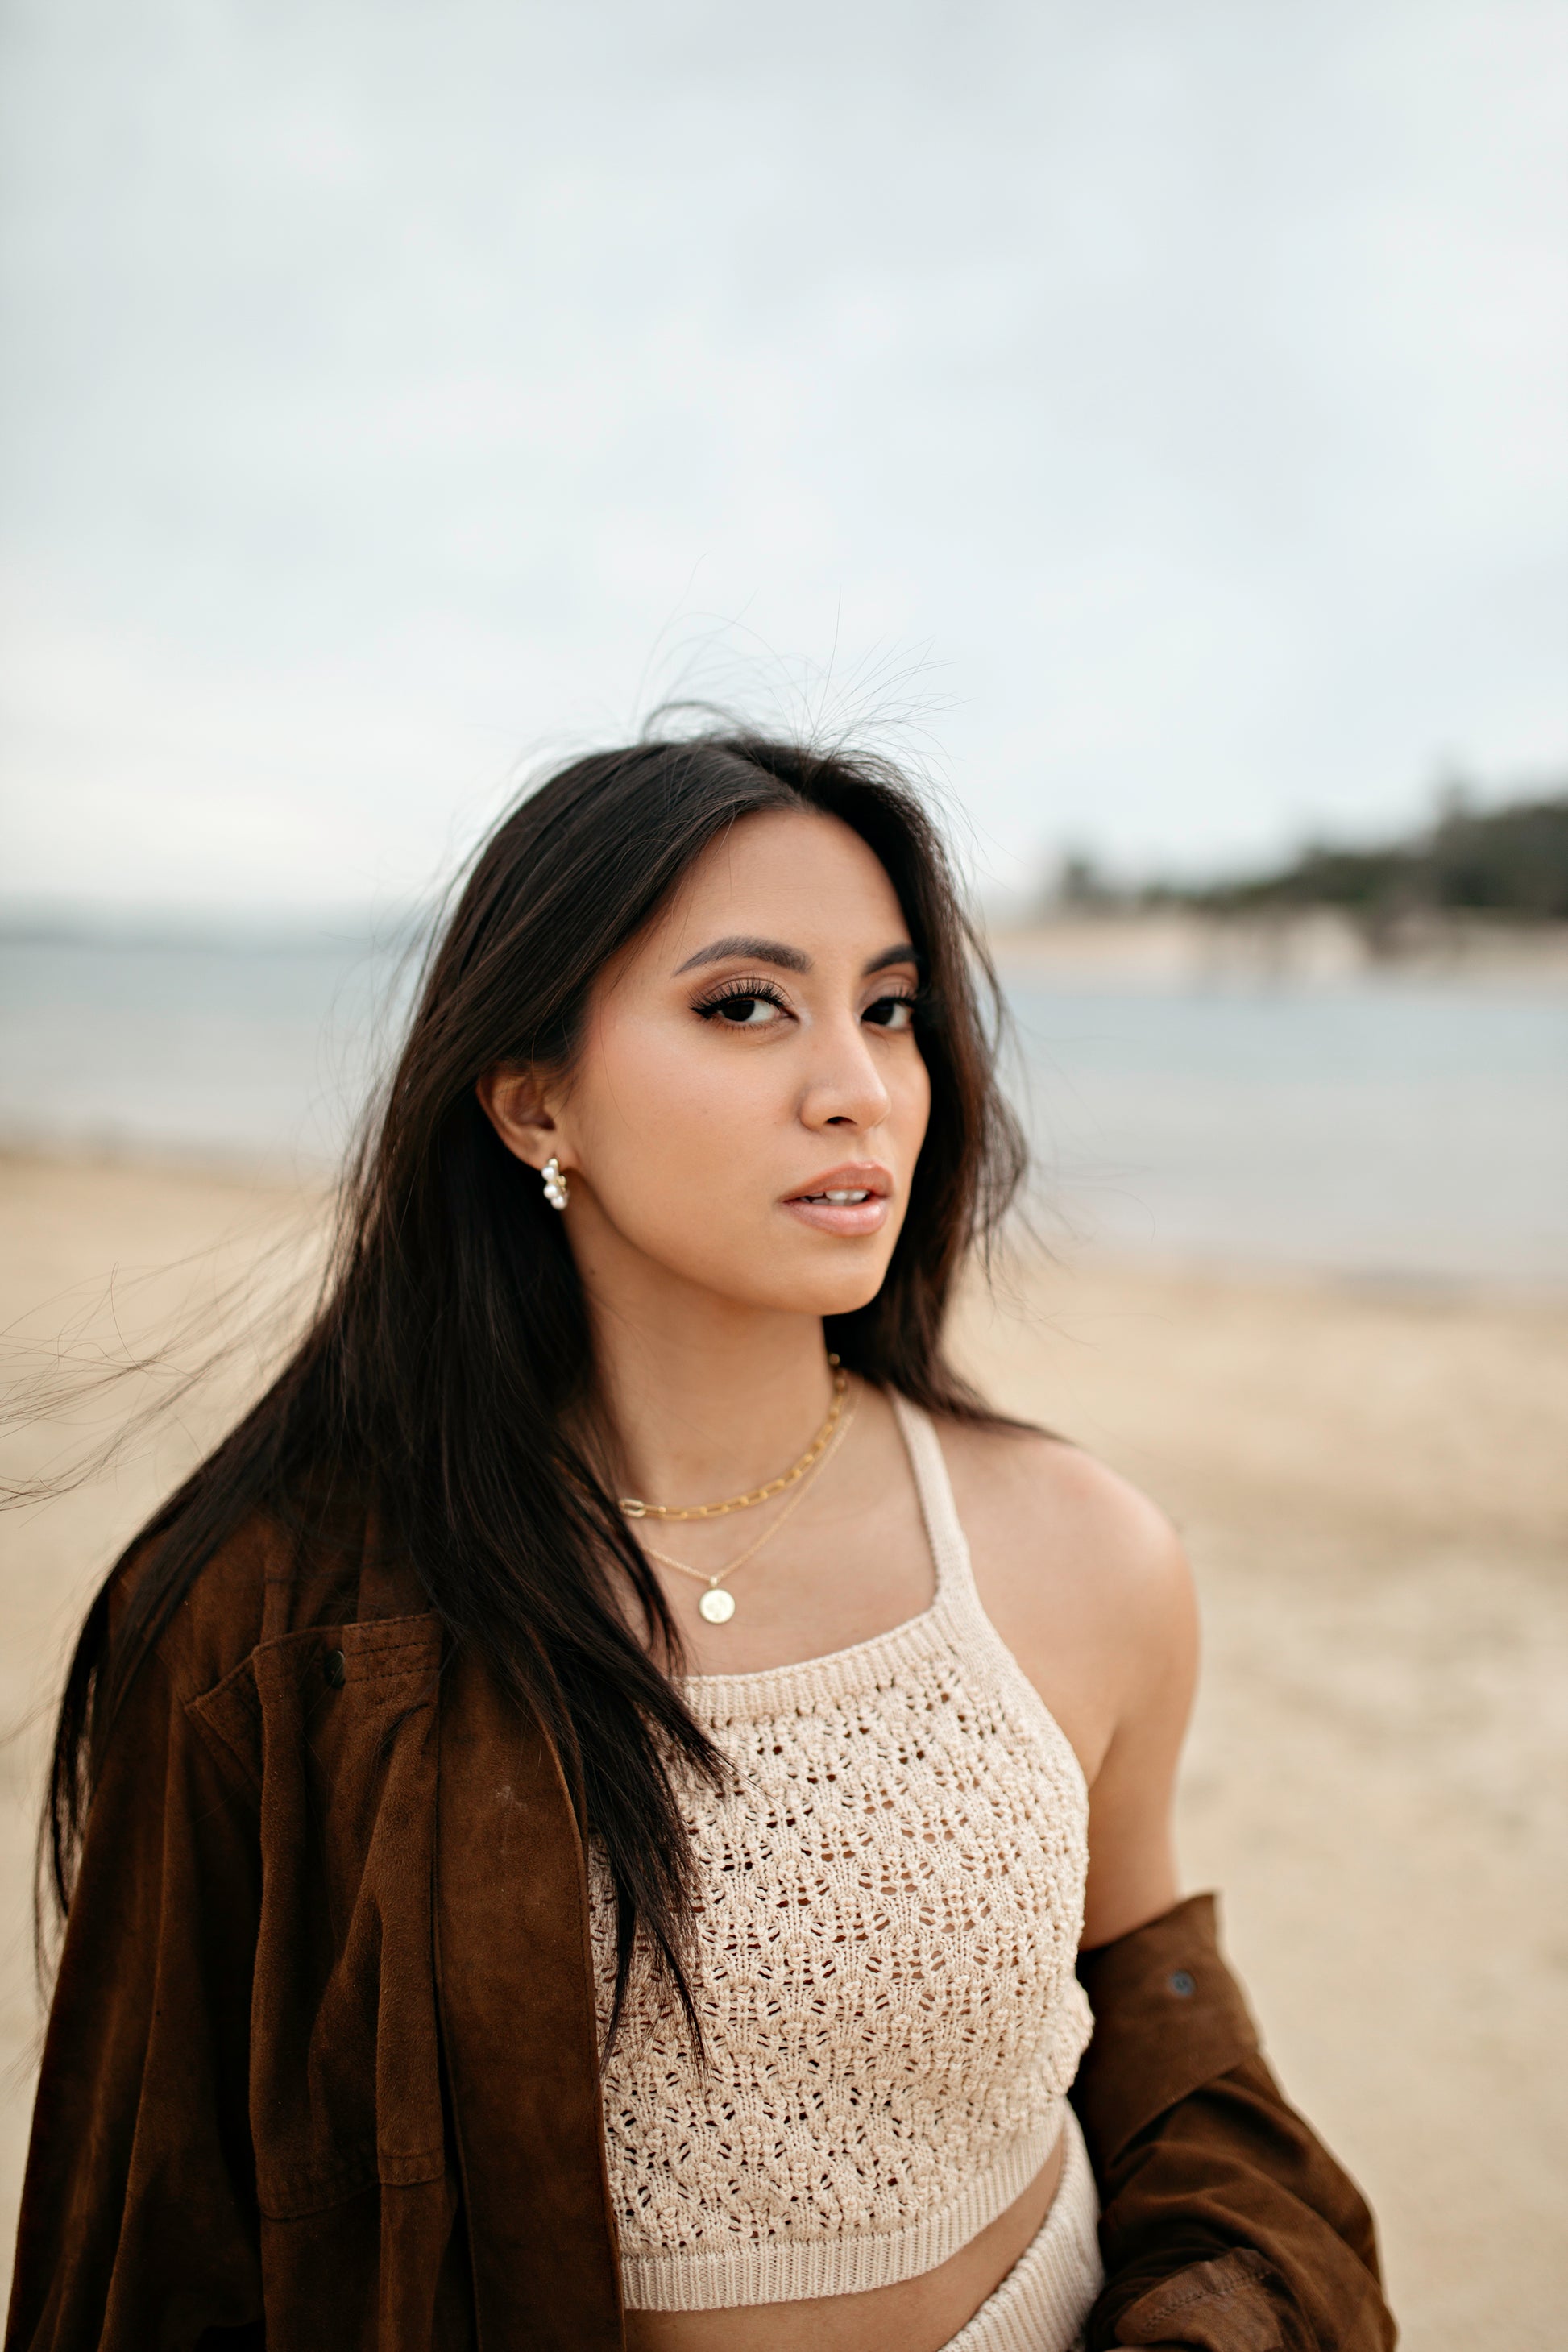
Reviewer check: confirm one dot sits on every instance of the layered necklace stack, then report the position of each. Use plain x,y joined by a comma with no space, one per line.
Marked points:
717,1605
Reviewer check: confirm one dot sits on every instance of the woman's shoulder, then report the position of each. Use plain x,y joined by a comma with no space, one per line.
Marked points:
1083,1574
269,1574
1040,1496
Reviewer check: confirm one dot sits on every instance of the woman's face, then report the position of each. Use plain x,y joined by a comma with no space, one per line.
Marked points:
749,1102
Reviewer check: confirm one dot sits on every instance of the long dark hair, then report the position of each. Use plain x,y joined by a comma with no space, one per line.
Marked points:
445,1369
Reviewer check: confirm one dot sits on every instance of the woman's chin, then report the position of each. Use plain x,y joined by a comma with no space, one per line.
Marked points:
837,1288
790,1289
787,1268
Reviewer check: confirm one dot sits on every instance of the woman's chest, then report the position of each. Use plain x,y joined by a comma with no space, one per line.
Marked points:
925,1817
916,1846
888,1898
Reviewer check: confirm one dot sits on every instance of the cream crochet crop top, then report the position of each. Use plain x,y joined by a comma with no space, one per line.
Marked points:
890,1903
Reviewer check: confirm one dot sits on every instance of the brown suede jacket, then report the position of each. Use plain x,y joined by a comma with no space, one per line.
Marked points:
322,2068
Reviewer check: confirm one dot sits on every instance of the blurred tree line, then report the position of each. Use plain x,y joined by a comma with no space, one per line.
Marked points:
1511,861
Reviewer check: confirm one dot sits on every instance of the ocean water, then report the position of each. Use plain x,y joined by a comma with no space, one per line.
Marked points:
1372,1128
258,1049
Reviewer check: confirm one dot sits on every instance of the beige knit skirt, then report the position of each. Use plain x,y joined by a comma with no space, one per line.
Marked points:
1043,2302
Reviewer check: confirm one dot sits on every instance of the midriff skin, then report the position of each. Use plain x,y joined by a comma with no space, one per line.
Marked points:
919,2315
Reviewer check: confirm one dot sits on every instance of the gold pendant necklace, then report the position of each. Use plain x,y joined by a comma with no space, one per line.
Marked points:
717,1606
635,1508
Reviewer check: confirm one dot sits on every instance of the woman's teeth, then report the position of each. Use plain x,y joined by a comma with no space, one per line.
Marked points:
838,1200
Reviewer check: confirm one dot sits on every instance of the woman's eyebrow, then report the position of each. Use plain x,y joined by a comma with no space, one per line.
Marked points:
757,950
789,958
904,952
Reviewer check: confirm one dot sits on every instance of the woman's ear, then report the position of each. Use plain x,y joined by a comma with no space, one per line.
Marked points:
513,1100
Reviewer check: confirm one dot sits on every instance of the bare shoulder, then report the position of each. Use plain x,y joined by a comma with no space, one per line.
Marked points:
1050,1505
1084,1577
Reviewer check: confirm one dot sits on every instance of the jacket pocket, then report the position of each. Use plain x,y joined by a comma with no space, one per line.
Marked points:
337,1726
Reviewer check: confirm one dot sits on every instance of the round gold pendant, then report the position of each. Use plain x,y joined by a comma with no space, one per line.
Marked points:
717,1605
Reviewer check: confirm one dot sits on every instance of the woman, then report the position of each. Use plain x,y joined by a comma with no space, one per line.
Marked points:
578,1821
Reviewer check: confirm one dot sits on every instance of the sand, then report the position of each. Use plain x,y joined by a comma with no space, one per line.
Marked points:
1374,1490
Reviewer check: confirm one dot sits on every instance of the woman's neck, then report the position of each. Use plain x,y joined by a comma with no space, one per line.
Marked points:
706,1397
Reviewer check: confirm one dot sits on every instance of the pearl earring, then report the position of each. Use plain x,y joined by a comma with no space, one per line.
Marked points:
557,1191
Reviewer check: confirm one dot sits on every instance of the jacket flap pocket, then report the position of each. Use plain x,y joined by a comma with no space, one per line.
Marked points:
229,1717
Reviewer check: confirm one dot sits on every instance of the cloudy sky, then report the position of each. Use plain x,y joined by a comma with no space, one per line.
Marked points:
1152,414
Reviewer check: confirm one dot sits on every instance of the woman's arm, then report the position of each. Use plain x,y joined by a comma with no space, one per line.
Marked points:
1144,1635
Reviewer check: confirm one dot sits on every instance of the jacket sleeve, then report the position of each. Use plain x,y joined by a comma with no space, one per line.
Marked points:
1225,2222
138,2230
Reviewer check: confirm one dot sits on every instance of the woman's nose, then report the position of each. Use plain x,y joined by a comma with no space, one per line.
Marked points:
847,1088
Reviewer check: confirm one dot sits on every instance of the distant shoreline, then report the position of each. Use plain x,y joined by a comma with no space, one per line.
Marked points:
1179,947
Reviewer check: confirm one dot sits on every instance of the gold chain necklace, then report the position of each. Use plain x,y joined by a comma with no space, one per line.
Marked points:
717,1606
635,1509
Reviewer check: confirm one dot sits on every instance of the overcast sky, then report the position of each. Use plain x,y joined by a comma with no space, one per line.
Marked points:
1154,412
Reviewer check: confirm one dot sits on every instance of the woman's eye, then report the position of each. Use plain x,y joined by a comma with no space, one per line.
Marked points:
892,1011
743,1010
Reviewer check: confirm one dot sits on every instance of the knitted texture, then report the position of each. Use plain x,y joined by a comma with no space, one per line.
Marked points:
891,1901
1043,2302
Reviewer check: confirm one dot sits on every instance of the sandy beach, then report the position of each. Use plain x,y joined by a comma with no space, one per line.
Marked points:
1374,1485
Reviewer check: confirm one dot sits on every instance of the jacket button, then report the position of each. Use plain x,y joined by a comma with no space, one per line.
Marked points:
1182,1984
334,1668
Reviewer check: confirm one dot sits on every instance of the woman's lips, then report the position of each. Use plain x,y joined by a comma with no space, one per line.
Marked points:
843,1207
